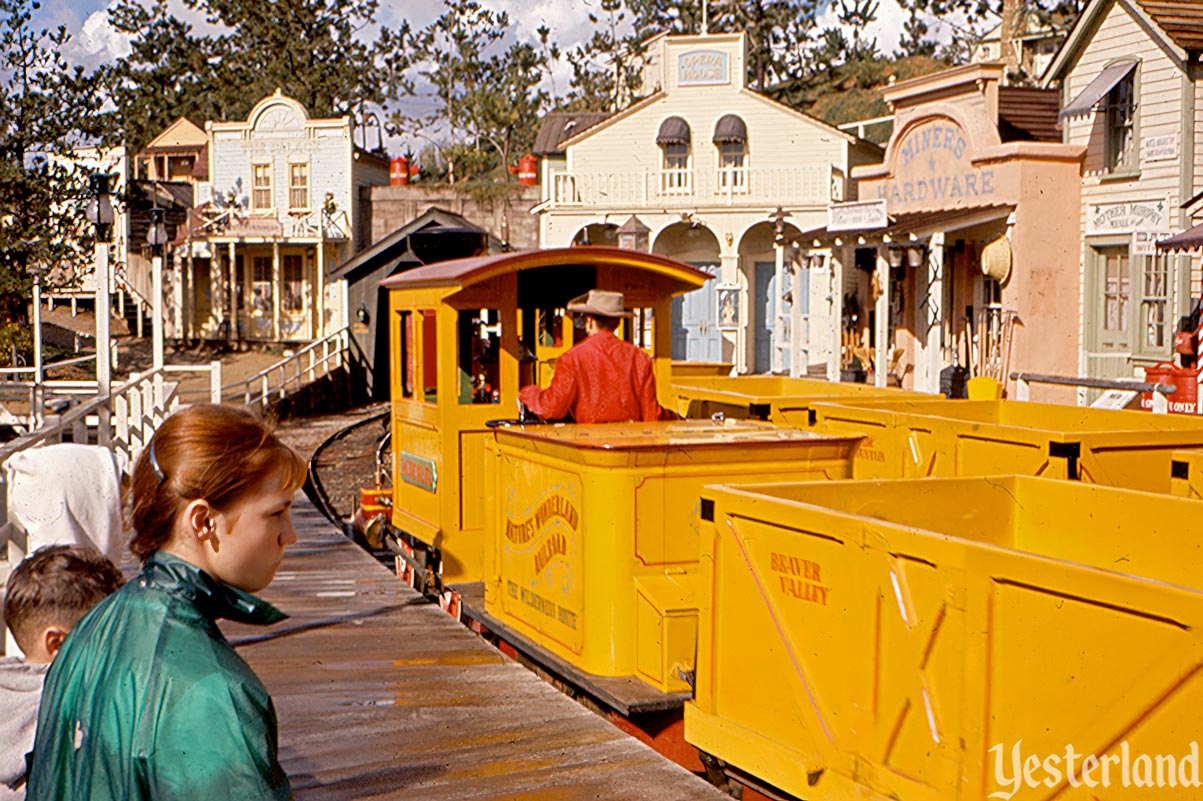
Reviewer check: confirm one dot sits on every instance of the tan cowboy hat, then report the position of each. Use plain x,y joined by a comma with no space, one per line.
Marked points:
601,303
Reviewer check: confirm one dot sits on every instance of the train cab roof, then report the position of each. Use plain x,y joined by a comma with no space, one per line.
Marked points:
643,277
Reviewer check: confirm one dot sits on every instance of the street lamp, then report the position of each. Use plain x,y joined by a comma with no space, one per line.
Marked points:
156,237
633,235
100,214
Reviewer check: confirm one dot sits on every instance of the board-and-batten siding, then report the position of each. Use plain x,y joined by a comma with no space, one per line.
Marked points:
1198,92
777,138
227,166
327,158
1159,111
1118,36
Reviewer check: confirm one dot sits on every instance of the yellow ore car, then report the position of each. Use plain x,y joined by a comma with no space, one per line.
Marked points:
908,438
951,639
465,335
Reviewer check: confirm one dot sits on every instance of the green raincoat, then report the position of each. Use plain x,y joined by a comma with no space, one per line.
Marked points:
147,699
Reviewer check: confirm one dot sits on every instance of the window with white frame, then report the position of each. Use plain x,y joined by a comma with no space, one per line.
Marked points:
732,165
298,186
676,168
292,296
1155,334
261,285
261,186
1120,104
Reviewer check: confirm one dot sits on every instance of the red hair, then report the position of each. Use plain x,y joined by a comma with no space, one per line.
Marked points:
208,451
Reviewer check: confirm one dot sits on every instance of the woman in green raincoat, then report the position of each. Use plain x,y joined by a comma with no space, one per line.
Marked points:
147,699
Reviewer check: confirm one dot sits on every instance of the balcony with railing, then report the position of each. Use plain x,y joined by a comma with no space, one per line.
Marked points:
692,188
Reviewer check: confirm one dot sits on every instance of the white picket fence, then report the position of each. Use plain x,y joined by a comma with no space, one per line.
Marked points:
123,420
126,418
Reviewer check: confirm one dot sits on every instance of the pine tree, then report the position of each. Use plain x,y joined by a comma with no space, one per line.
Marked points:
46,109
308,49
484,98
607,68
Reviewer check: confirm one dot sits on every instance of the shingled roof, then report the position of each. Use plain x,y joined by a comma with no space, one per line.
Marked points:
1028,113
559,126
1182,21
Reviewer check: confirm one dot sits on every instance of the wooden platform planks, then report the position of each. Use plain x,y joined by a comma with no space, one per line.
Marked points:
382,695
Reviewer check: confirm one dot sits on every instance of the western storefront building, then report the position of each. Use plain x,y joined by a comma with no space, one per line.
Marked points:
1129,82
285,203
710,172
959,257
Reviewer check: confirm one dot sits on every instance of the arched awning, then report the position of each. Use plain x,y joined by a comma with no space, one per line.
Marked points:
730,128
673,131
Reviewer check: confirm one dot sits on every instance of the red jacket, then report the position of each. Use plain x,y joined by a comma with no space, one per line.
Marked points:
600,380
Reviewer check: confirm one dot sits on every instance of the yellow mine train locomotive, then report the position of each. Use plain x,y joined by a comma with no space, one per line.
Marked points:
828,590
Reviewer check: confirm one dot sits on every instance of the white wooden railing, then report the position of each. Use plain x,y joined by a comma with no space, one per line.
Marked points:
328,225
124,420
308,364
859,126
813,184
20,384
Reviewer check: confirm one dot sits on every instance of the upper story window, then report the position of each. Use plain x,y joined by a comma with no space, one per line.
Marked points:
298,186
676,157
1120,104
674,139
261,186
1112,94
731,139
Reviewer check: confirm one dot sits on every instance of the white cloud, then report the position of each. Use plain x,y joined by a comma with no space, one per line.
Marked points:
97,39
886,27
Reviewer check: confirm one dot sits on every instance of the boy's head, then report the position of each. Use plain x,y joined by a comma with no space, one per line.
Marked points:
50,591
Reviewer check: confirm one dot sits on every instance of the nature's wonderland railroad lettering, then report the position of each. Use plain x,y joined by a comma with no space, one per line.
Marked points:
554,506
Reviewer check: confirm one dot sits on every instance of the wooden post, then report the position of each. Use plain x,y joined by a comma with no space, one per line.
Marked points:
835,306
277,290
881,334
215,381
232,295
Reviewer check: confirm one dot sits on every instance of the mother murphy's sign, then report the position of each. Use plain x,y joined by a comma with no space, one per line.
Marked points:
932,167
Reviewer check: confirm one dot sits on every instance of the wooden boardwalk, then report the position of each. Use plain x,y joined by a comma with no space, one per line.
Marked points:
382,695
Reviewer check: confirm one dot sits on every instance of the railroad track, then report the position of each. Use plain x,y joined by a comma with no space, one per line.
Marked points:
345,461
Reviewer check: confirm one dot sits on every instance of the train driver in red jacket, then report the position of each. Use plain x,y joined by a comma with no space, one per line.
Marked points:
603,379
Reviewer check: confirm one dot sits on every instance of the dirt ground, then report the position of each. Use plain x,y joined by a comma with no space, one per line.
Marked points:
134,355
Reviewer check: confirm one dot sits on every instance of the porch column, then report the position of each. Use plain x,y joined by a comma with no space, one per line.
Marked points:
780,346
798,336
177,294
931,315
730,273
277,289
882,328
189,311
835,312
217,303
319,328
232,295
